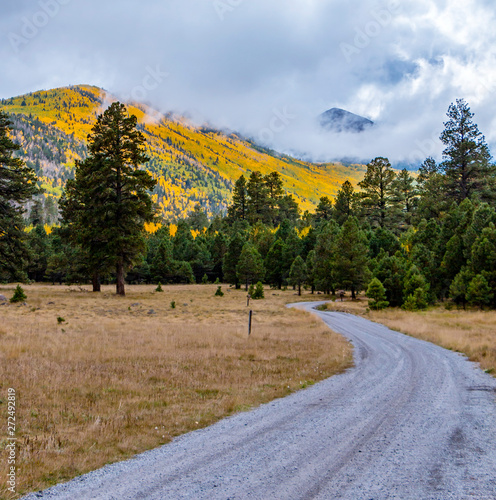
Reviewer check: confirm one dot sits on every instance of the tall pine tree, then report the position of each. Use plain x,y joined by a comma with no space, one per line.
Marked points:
108,202
467,159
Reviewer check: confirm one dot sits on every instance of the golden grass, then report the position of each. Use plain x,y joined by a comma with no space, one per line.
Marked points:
125,374
472,332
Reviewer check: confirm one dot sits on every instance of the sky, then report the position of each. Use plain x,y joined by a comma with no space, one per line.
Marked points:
268,68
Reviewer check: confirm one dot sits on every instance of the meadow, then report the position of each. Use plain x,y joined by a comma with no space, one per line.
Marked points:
99,378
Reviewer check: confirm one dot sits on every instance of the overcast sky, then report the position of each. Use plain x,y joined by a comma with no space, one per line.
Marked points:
267,68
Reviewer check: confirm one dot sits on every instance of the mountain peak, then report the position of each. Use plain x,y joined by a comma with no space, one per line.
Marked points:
340,120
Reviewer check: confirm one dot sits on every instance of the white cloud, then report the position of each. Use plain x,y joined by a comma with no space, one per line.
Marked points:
399,63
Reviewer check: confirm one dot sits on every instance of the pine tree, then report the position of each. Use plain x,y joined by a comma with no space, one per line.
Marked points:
344,205
17,186
108,202
324,210
377,294
405,196
250,267
231,259
275,192
274,264
479,292
377,196
258,203
466,156
238,209
432,199
326,248
351,258
298,273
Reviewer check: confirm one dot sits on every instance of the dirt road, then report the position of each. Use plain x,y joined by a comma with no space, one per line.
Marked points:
409,421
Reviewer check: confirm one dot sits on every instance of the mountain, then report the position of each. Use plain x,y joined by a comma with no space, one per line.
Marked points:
192,164
340,120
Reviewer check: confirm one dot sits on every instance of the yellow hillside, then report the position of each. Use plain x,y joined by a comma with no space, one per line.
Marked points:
191,164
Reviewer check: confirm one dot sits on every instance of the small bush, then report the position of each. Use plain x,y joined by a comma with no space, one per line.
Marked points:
19,295
219,292
173,304
257,292
377,293
159,287
205,279
60,320
417,300
217,281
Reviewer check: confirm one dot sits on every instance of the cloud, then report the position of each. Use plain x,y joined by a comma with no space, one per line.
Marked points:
268,69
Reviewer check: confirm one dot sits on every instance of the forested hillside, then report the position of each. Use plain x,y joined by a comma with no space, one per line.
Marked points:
192,165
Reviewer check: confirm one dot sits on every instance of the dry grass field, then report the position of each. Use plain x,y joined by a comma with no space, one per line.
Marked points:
472,332
115,376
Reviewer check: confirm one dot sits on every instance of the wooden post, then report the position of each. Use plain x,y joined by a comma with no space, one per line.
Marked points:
249,322
248,297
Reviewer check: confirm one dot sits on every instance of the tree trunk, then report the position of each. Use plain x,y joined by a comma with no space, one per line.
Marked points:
96,282
299,288
353,296
120,278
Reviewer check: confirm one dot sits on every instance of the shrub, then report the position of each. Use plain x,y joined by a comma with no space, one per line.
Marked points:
377,293
257,292
219,292
217,281
417,300
479,292
159,287
19,295
173,304
205,279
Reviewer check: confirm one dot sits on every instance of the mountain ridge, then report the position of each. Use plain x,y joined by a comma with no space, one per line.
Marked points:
191,164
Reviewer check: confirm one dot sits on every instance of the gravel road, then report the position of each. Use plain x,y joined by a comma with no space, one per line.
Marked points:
409,421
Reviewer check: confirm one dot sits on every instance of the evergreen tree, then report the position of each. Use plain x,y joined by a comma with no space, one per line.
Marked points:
231,259
108,202
405,196
275,192
239,208
459,286
351,257
377,294
250,267
391,271
345,202
274,264
326,248
298,273
432,199
258,203
377,197
198,219
466,156
483,257
288,210
479,292
324,210
17,186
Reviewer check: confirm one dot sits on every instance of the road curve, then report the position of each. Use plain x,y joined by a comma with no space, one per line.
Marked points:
410,421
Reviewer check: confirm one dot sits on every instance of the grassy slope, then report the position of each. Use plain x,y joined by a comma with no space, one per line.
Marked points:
192,164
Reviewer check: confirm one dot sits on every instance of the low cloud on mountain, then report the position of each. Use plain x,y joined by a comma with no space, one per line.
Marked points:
268,69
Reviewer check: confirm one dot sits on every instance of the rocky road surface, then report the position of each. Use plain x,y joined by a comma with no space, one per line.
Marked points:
410,421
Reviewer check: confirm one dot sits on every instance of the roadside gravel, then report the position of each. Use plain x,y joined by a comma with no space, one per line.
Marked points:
410,421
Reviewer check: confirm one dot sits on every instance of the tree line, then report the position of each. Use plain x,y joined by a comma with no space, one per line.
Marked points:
407,239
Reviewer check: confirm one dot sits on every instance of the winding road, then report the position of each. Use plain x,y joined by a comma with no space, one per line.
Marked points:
410,421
